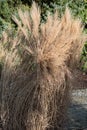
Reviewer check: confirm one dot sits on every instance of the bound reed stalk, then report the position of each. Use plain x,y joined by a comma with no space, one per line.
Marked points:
37,71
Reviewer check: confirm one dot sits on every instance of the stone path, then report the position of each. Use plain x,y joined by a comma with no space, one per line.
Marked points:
78,110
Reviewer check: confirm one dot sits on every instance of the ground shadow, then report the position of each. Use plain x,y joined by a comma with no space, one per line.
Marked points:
77,116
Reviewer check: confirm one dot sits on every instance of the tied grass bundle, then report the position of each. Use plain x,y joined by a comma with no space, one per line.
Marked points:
37,70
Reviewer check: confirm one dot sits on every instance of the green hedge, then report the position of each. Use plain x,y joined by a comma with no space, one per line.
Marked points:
8,7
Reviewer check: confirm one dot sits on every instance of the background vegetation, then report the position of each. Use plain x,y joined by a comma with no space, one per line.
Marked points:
79,8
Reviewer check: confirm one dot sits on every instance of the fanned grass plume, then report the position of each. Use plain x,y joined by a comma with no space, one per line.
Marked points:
36,86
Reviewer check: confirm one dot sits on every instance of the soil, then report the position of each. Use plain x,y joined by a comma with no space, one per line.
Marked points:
79,79
78,110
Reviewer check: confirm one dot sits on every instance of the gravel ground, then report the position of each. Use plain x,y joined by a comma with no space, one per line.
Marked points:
78,110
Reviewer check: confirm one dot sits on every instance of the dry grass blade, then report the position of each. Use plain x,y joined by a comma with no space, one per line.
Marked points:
35,15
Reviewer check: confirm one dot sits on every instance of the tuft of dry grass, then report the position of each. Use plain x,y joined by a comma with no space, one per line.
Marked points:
36,88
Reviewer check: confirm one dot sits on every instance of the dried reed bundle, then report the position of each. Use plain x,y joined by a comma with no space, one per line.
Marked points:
36,88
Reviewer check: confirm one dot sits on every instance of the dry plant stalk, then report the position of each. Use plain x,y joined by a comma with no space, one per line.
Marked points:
36,89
